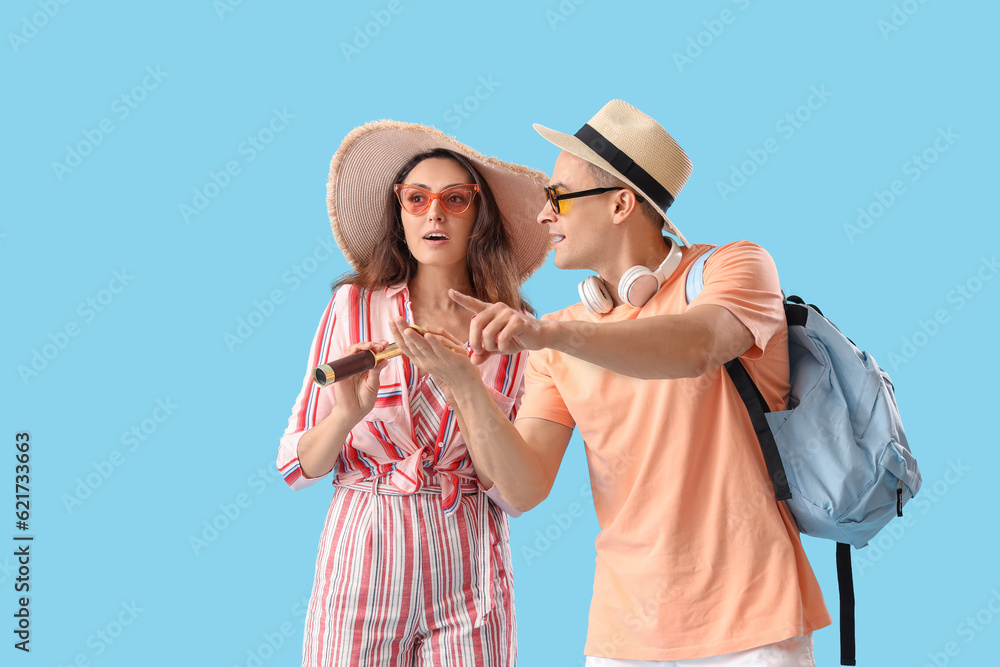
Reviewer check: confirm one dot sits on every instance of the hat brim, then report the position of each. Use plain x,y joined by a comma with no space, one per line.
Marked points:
572,144
363,168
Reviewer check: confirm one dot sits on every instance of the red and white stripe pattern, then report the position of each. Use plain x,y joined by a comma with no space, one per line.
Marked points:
396,582
384,445
410,534
433,425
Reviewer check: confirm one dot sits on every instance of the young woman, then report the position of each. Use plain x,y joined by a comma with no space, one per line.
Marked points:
414,561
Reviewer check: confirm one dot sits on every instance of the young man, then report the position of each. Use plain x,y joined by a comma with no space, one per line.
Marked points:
695,558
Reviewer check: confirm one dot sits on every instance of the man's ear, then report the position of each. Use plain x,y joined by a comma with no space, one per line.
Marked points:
625,204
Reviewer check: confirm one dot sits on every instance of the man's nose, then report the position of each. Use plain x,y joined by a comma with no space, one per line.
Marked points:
546,215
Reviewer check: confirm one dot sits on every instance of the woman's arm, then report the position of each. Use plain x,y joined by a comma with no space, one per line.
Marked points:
521,461
331,411
319,447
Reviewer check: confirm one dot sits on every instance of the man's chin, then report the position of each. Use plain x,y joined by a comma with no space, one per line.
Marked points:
562,261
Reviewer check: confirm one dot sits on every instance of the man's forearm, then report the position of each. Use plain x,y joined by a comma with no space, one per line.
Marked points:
662,347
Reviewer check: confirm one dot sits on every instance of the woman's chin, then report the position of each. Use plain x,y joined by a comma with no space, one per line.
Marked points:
438,260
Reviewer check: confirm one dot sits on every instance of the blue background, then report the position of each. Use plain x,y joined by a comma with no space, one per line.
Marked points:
893,76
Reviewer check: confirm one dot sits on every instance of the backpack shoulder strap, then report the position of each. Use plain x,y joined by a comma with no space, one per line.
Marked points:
757,409
696,275
845,585
748,391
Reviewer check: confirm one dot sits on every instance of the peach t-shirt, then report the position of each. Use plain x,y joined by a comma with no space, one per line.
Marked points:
695,558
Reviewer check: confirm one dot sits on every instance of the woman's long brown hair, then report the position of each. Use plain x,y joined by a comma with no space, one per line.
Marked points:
493,272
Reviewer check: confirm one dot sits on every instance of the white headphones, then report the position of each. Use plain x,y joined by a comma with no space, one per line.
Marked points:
636,287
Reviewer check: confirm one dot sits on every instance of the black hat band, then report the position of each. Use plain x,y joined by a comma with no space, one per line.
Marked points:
626,166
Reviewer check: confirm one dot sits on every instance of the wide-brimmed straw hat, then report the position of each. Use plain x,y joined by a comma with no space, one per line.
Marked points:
627,143
361,176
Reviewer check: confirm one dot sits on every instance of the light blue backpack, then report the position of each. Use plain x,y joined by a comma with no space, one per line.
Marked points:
838,456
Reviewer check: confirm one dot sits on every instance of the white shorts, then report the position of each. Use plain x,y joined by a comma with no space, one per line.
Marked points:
794,652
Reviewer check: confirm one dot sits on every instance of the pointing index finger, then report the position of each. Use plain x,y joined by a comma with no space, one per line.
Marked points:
467,302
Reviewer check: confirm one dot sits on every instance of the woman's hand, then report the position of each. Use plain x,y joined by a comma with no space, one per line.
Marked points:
436,353
496,327
356,395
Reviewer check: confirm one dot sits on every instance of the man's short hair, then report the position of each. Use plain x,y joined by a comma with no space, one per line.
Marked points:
604,179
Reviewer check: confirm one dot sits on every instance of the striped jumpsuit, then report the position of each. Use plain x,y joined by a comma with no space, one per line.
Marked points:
414,561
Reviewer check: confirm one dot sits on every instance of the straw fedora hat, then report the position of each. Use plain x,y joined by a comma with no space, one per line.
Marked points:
627,143
361,174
